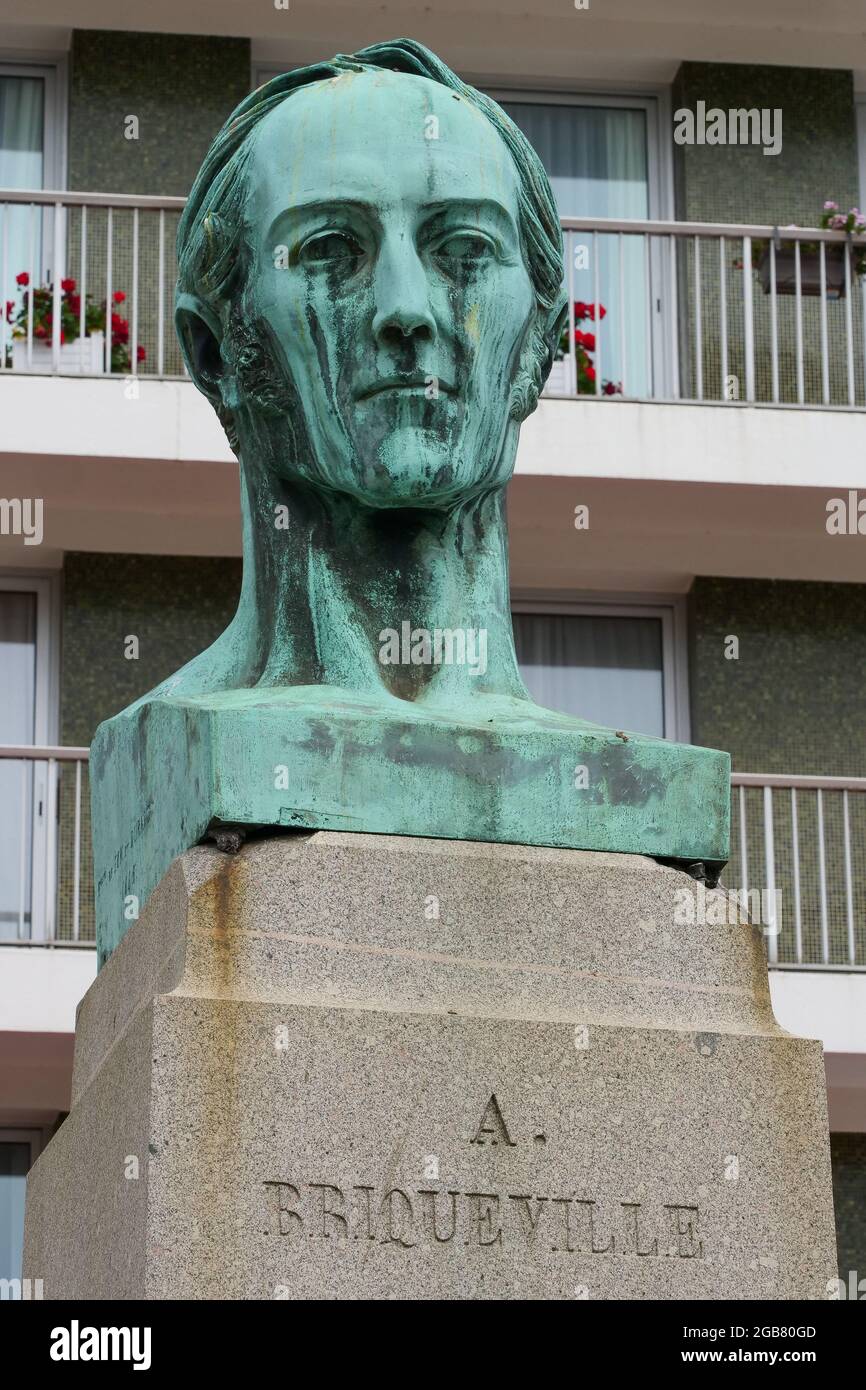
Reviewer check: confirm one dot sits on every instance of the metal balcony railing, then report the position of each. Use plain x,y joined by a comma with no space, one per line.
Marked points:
801,841
90,278
660,311
713,312
798,859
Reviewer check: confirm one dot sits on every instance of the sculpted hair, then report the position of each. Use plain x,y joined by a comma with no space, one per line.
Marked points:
212,247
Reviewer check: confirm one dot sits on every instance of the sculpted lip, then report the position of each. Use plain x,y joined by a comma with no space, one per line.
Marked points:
404,383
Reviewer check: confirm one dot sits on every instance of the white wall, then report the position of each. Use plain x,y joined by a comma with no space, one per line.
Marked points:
825,1004
40,988
545,40
673,490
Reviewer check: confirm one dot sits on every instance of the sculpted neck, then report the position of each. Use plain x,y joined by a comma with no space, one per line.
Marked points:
415,603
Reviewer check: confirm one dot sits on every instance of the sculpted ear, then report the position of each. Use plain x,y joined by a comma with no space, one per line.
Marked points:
200,334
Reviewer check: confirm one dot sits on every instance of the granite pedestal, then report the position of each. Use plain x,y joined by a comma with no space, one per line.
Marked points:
357,1066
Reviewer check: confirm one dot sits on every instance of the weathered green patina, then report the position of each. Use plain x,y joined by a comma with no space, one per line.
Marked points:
369,294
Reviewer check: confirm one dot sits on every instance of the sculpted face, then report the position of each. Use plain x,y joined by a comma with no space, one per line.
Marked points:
389,277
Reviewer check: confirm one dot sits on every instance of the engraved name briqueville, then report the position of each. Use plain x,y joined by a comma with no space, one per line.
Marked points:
346,1211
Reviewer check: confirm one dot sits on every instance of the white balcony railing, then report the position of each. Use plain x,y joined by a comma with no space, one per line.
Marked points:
118,251
706,312
798,858
663,311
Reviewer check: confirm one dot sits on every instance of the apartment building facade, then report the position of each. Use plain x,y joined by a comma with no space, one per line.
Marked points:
688,513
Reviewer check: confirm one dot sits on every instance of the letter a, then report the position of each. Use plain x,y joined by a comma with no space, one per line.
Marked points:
493,1126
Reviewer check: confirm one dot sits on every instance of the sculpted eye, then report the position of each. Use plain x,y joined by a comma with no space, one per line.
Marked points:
330,248
466,249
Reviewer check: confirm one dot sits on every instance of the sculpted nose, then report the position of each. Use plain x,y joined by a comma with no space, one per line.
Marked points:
402,298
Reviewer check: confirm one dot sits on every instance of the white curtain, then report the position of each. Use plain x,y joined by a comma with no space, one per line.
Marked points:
17,725
606,669
596,159
22,115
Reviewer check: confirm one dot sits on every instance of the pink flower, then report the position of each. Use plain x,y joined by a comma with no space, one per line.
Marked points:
830,206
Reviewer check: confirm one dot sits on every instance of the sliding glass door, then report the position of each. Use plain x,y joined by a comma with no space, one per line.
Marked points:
26,792
615,664
29,158
601,163
18,1152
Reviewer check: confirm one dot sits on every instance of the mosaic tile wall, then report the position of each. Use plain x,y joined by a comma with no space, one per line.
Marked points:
791,703
794,700
180,88
176,606
739,183
849,1198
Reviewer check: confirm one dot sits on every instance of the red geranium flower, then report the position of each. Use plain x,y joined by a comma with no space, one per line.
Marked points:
590,372
67,286
587,311
141,353
118,296
23,278
586,340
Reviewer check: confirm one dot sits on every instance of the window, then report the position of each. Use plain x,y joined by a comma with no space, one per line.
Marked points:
30,157
620,665
26,718
600,157
18,1151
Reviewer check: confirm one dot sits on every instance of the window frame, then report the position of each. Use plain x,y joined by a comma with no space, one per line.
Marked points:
860,119
53,69
669,609
17,1135
656,102
46,587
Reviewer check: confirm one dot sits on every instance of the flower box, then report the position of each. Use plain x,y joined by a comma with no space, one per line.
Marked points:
85,356
810,271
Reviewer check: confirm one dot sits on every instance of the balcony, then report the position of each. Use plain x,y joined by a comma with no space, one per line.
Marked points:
659,311
798,860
